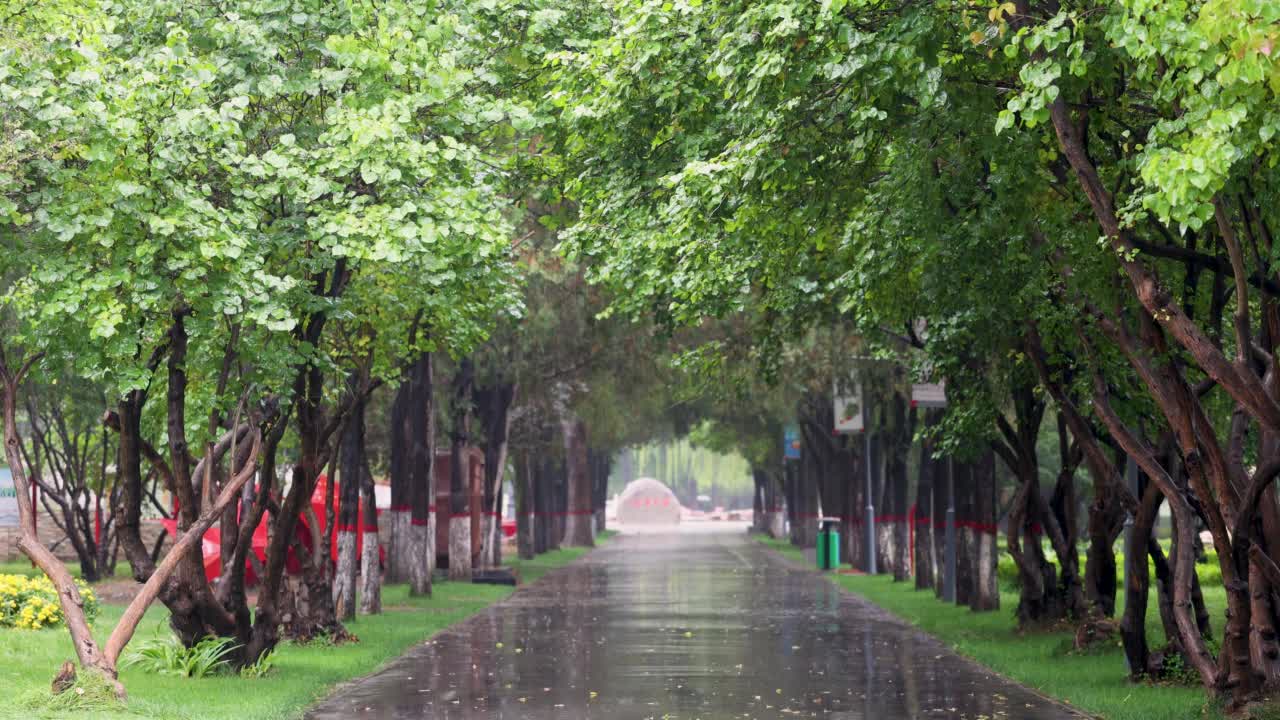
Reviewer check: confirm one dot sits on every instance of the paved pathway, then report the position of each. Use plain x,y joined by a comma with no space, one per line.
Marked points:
684,627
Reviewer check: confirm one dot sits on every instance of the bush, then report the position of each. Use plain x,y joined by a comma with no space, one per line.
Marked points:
167,656
261,668
31,603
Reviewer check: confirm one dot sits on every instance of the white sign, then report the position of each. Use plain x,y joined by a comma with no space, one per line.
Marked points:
849,411
8,500
929,395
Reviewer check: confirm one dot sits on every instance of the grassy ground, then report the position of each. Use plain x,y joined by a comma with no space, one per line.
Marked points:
1095,682
26,569
302,675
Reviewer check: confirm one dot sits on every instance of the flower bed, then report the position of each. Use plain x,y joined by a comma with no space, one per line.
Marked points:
30,603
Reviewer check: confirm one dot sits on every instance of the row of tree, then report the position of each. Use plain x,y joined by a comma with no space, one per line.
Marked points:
246,249
1062,209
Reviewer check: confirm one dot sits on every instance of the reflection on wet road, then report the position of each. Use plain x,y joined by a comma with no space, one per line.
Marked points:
682,627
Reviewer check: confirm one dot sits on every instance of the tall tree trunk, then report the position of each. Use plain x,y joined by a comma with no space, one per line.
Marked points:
350,479
601,465
419,441
540,489
559,504
1106,522
926,557
757,500
579,513
493,409
400,475
898,447
966,547
460,473
1133,624
943,485
986,586
370,557
524,497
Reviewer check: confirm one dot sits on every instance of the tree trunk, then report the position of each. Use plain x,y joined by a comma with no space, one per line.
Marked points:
493,409
1106,522
559,504
757,500
579,512
350,479
967,581
460,474
540,491
898,447
600,464
926,556
370,558
419,441
400,474
986,586
524,495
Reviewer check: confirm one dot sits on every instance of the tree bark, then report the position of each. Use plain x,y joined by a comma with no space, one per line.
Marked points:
370,557
350,479
419,443
578,518
524,497
460,474
493,409
926,555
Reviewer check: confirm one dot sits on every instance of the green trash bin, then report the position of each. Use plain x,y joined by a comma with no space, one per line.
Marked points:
828,544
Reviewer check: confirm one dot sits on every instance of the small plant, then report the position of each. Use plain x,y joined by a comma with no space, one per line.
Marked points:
319,639
91,695
166,656
261,667
31,603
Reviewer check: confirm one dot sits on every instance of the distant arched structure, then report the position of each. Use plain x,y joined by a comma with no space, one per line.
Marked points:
646,501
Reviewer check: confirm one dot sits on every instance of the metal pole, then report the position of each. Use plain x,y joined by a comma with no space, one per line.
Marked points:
871,508
949,579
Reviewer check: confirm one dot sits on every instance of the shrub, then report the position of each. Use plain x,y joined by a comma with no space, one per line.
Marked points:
31,603
260,668
167,656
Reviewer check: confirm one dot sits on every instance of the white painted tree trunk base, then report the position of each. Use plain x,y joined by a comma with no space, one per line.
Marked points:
421,559
774,525
371,575
460,548
344,583
988,582
398,550
429,544
487,542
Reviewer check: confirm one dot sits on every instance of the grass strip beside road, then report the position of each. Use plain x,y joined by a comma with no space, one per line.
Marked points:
1093,682
302,674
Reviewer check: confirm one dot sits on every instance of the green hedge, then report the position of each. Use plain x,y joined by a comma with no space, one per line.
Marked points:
1208,570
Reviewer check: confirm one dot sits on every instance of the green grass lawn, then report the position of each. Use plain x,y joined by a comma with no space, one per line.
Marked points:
26,569
1095,683
302,675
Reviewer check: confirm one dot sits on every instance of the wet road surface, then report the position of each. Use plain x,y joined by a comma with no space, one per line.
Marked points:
684,627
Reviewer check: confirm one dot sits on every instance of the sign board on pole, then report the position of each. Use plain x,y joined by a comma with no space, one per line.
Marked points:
849,409
929,395
791,442
8,500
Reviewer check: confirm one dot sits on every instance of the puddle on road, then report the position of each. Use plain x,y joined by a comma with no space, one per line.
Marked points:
677,627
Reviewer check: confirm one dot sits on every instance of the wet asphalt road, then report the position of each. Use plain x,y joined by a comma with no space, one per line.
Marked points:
707,626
